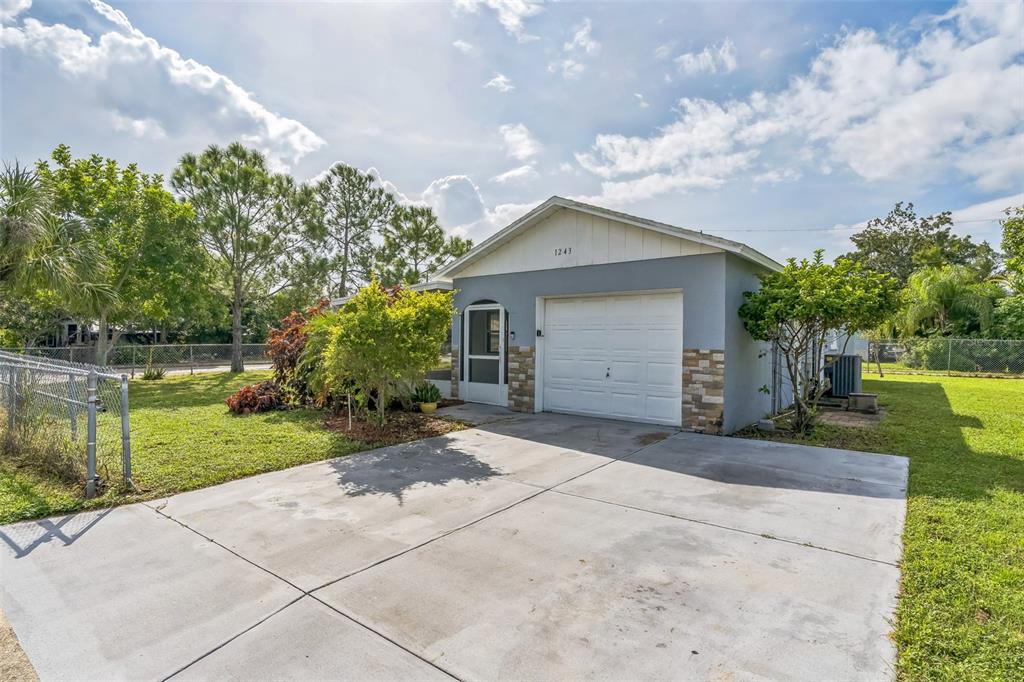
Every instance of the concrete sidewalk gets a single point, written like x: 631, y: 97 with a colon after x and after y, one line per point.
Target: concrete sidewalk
x: 540, y: 546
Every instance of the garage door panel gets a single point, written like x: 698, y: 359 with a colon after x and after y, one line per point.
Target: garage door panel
x: 664, y: 341
x: 626, y: 340
x: 625, y: 372
x: 628, y: 405
x: 663, y: 408
x: 664, y: 376
x: 634, y: 339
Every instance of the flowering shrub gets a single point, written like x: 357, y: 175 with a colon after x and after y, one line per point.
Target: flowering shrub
x: 262, y: 397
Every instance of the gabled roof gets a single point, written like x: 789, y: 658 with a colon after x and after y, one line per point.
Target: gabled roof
x: 555, y: 203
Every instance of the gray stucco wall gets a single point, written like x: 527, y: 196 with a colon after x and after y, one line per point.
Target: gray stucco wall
x: 712, y: 284
x: 701, y: 277
x: 748, y: 363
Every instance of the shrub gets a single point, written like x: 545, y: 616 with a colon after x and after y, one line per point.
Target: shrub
x: 426, y: 392
x: 262, y: 397
x: 153, y: 373
x: 285, y: 347
x: 379, y: 339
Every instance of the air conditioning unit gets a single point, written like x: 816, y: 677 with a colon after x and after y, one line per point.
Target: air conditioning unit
x: 843, y: 373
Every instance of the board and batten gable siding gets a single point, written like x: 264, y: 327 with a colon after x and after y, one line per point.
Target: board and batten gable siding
x: 570, y: 238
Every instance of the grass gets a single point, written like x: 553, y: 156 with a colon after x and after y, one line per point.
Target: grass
x: 183, y: 437
x: 961, y: 610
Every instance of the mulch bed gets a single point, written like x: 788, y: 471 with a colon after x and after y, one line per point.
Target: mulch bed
x: 401, y: 427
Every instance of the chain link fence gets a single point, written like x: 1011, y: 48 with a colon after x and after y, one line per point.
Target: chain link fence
x: 182, y: 356
x: 67, y: 419
x: 968, y: 357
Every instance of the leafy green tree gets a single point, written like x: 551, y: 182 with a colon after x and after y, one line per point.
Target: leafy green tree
x: 415, y: 245
x: 380, y: 340
x: 799, y: 305
x: 38, y: 248
x: 354, y: 210
x: 1013, y: 247
x: 261, y: 228
x: 946, y: 299
x: 1008, y: 318
x: 902, y: 242
x: 146, y: 239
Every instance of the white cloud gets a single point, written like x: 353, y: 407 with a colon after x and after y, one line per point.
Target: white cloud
x: 767, y: 53
x: 138, y: 127
x: 149, y: 89
x: 641, y: 101
x: 516, y: 175
x: 10, y: 9
x: 511, y: 14
x: 462, y: 46
x: 568, y: 68
x: 712, y: 59
x: 664, y: 51
x: 519, y: 141
x: 887, y: 108
x: 455, y: 199
x: 582, y: 40
x: 776, y: 176
x: 500, y: 82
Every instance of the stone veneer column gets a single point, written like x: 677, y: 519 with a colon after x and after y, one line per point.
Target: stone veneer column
x: 455, y: 372
x: 703, y: 389
x: 520, y: 378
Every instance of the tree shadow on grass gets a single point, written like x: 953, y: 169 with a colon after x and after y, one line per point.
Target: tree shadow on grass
x: 396, y: 469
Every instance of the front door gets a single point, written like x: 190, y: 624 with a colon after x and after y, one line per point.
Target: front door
x: 484, y: 377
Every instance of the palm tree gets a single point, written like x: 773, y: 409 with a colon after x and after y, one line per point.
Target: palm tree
x: 936, y: 296
x: 41, y: 249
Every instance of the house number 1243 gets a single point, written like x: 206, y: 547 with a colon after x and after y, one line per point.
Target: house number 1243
x: 563, y: 251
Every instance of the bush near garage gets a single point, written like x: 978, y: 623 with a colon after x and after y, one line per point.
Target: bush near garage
x: 382, y: 340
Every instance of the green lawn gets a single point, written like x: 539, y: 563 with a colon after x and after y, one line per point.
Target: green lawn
x: 183, y: 437
x: 961, y: 612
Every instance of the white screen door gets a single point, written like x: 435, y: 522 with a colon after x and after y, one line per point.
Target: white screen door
x: 484, y: 336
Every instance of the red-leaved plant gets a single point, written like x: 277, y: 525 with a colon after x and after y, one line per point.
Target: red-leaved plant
x: 285, y: 345
x: 262, y: 397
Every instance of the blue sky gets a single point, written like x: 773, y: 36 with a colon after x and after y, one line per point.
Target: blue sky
x: 781, y: 125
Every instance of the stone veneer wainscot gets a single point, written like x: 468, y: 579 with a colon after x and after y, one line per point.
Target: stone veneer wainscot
x: 521, y: 378
x: 703, y: 389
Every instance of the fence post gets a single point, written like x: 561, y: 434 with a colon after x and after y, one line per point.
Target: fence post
x: 72, y: 407
x: 191, y: 361
x: 126, y: 438
x: 90, y: 441
x: 12, y: 392
x: 949, y: 357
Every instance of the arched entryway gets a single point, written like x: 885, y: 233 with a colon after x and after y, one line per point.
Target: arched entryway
x: 483, y: 376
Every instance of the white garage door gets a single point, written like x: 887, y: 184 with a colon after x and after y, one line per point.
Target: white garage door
x: 615, y: 356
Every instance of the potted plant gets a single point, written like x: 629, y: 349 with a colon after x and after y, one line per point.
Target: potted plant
x: 427, y: 395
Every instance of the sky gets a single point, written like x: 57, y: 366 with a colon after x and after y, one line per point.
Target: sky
x: 782, y: 125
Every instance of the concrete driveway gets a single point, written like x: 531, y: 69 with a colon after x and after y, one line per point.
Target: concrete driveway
x: 540, y: 546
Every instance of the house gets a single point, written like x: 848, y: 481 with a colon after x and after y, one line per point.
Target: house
x: 579, y: 309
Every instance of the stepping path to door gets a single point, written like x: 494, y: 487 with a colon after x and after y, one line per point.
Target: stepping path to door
x: 541, y: 546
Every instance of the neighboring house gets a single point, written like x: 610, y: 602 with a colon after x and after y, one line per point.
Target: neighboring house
x: 578, y: 309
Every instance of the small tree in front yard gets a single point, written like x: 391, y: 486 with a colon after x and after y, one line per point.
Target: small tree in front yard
x: 799, y: 305
x: 382, y: 338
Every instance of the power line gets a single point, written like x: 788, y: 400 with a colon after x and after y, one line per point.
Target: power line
x: 712, y: 230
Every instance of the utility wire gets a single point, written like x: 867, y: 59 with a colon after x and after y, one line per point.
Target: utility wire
x: 712, y: 230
